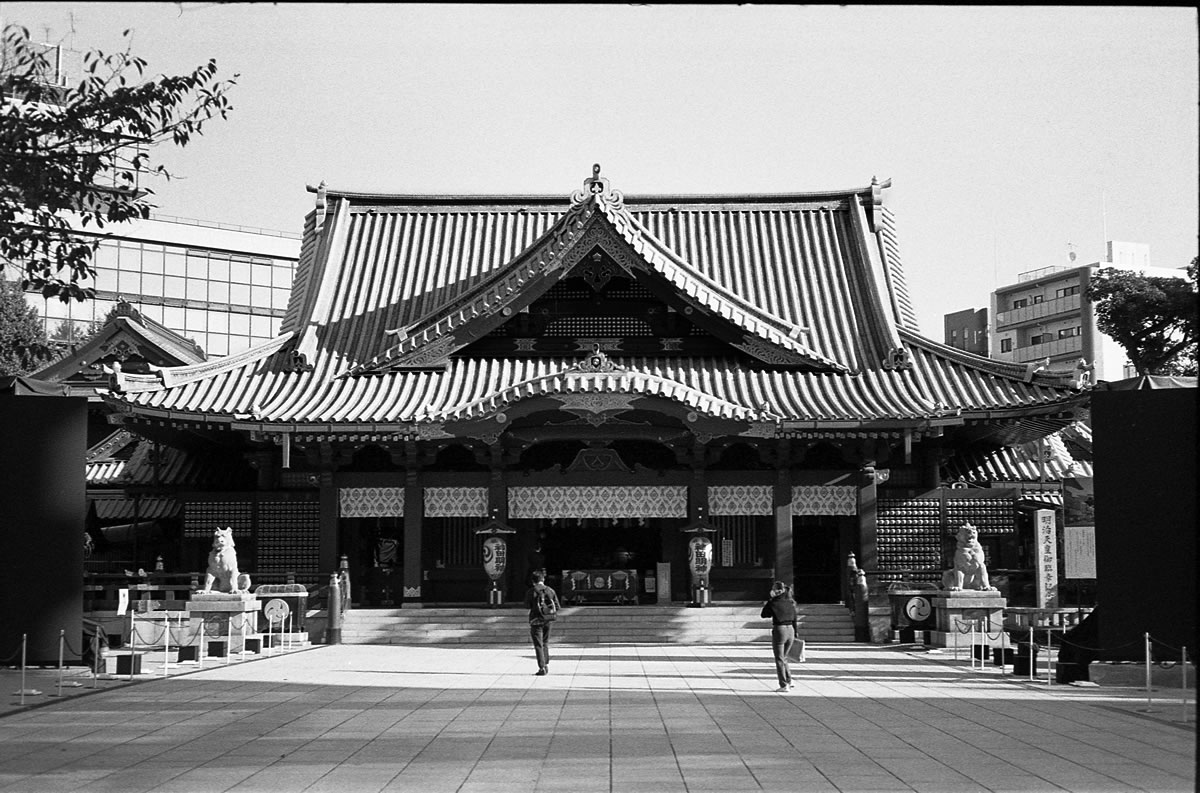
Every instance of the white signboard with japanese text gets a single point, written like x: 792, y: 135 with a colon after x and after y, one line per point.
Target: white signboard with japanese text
x: 1046, y: 558
x: 1079, y: 551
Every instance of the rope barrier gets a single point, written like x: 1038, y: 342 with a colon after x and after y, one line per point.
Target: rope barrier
x: 5, y: 661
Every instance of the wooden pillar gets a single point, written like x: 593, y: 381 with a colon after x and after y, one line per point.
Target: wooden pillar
x: 414, y: 517
x: 868, y: 557
x: 782, y: 503
x: 327, y: 557
x: 868, y: 553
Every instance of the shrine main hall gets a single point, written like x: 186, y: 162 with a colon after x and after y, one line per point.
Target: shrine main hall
x: 595, y: 379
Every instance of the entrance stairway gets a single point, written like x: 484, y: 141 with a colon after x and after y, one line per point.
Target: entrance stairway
x: 733, y: 623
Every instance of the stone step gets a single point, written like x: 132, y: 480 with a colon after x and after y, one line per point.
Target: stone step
x: 735, y: 624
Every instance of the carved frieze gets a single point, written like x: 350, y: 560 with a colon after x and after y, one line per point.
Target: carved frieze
x: 595, y: 403
x: 432, y: 432
x: 596, y: 460
x: 432, y: 354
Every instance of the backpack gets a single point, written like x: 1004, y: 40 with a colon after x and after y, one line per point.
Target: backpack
x: 546, y: 607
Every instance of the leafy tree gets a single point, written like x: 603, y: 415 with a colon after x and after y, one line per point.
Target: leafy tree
x: 73, y: 332
x: 23, y: 346
x: 60, y: 144
x: 1153, y: 318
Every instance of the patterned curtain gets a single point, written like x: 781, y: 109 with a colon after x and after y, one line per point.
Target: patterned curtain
x: 739, y: 500
x: 824, y: 500
x: 456, y: 502
x: 370, y: 502
x: 618, y: 501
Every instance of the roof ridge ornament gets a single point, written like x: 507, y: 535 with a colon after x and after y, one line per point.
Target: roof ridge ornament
x: 596, y: 361
x: 597, y: 187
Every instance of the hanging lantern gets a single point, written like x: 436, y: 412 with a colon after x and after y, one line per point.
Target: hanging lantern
x: 700, y: 556
x: 495, y: 557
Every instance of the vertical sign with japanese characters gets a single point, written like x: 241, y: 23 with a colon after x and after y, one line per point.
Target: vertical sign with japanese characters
x: 1046, y: 558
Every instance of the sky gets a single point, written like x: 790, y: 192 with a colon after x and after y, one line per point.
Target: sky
x: 1012, y: 135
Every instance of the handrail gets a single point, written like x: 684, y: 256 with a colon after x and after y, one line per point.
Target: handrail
x: 1027, y: 617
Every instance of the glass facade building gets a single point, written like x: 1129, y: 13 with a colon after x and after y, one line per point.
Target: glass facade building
x: 225, y: 287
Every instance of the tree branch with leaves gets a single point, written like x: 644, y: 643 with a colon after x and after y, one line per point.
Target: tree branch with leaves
x: 72, y: 158
x: 1154, y: 319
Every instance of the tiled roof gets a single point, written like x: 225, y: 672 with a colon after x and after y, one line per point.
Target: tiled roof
x: 385, y: 280
x: 1022, y: 463
x: 126, y: 334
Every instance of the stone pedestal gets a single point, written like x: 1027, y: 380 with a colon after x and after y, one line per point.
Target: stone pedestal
x: 958, y: 610
x: 223, y: 617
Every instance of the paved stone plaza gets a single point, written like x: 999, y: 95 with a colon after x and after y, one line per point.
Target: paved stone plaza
x: 608, y: 718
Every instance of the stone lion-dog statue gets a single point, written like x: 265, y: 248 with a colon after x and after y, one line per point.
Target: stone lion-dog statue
x: 223, y: 565
x: 970, y: 569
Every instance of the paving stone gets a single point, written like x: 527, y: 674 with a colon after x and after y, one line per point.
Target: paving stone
x: 611, y: 718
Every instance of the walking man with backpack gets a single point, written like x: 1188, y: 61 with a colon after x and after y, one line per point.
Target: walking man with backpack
x: 543, y: 605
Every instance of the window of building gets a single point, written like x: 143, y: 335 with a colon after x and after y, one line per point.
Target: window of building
x: 1066, y: 333
x: 197, y: 289
x: 173, y: 317
x: 195, y: 319
x: 218, y: 322
x: 1006, y: 345
x: 218, y: 344
x: 106, y: 279
x: 1020, y: 302
x: 197, y: 264
x: 152, y: 259
x: 239, y: 271
x: 129, y: 281
x: 218, y: 291
x: 152, y: 284
x: 260, y: 296
x: 260, y: 326
x: 239, y: 294
x: 174, y: 263
x: 239, y: 324
x: 218, y: 267
x: 1039, y: 338
x: 1068, y: 291
x: 1034, y: 300
x: 105, y: 257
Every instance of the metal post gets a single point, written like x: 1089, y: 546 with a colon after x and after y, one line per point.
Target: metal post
x: 23, y: 635
x: 1049, y: 665
x: 1149, y: 702
x: 132, y: 643
x: 244, y: 633
x: 203, y: 633
x: 166, y: 643
x: 1183, y: 691
x: 228, y: 638
x: 333, y: 632
x: 61, y: 638
x: 95, y: 656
